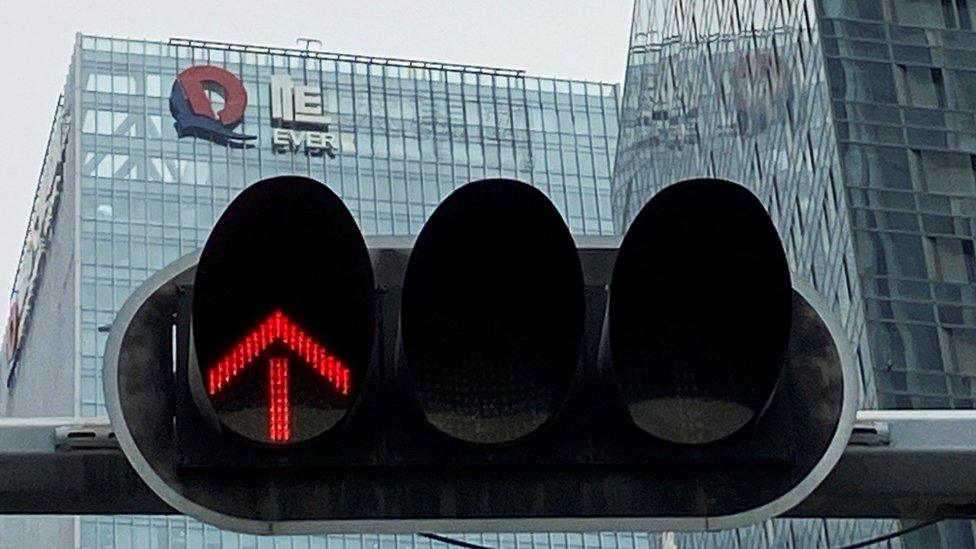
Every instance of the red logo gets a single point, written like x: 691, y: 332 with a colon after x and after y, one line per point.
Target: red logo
x: 193, y: 110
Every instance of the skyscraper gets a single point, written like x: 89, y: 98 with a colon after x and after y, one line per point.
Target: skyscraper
x: 853, y: 122
x: 152, y: 140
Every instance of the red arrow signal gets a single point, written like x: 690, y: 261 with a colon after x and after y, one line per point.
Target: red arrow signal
x: 279, y: 406
x: 278, y: 327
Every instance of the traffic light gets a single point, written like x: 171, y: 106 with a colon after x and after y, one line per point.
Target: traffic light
x: 283, y: 312
x: 700, y: 312
x: 493, y: 312
x: 294, y: 377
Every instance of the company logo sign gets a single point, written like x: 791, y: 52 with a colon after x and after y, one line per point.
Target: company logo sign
x: 194, y: 111
x: 298, y: 118
x: 299, y: 122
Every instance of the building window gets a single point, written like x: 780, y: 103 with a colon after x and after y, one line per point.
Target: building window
x: 870, y: 10
x: 921, y: 86
x: 920, y: 13
x: 967, y: 13
x: 961, y: 88
x: 960, y: 347
x: 948, y: 173
x: 856, y: 80
x: 951, y: 260
x: 877, y: 167
x: 905, y: 347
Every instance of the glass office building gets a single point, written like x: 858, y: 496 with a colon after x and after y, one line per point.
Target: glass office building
x: 135, y: 196
x: 853, y: 122
x: 121, y: 194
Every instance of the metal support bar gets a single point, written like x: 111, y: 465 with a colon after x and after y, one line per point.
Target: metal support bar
x: 904, y: 464
x: 68, y: 466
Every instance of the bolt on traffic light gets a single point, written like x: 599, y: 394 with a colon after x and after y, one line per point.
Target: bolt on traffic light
x: 492, y: 369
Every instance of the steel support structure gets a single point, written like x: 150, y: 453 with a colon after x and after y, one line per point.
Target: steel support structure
x: 918, y: 464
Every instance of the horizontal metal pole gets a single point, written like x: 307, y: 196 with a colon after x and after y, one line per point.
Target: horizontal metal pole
x: 921, y: 464
x: 908, y: 464
x: 44, y: 469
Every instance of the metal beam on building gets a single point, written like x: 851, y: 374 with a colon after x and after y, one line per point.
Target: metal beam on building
x: 918, y: 464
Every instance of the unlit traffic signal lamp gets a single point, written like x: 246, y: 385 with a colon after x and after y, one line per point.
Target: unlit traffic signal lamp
x: 493, y: 312
x: 492, y: 369
x: 700, y: 312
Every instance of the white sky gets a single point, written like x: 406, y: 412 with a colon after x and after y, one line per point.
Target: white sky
x: 585, y: 39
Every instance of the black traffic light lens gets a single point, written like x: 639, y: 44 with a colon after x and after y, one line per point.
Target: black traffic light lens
x: 700, y: 312
x: 283, y: 311
x: 492, y: 314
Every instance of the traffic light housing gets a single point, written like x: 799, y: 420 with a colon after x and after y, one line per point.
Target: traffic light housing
x: 293, y: 377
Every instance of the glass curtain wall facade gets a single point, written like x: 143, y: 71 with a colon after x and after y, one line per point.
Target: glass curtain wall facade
x: 157, y: 532
x: 736, y: 90
x: 903, y: 82
x: 853, y: 122
x: 133, y: 196
x: 407, y: 135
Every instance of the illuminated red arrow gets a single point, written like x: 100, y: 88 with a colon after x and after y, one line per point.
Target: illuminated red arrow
x: 279, y: 407
x: 278, y: 327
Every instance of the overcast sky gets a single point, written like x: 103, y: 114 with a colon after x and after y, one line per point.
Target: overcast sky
x: 584, y: 39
